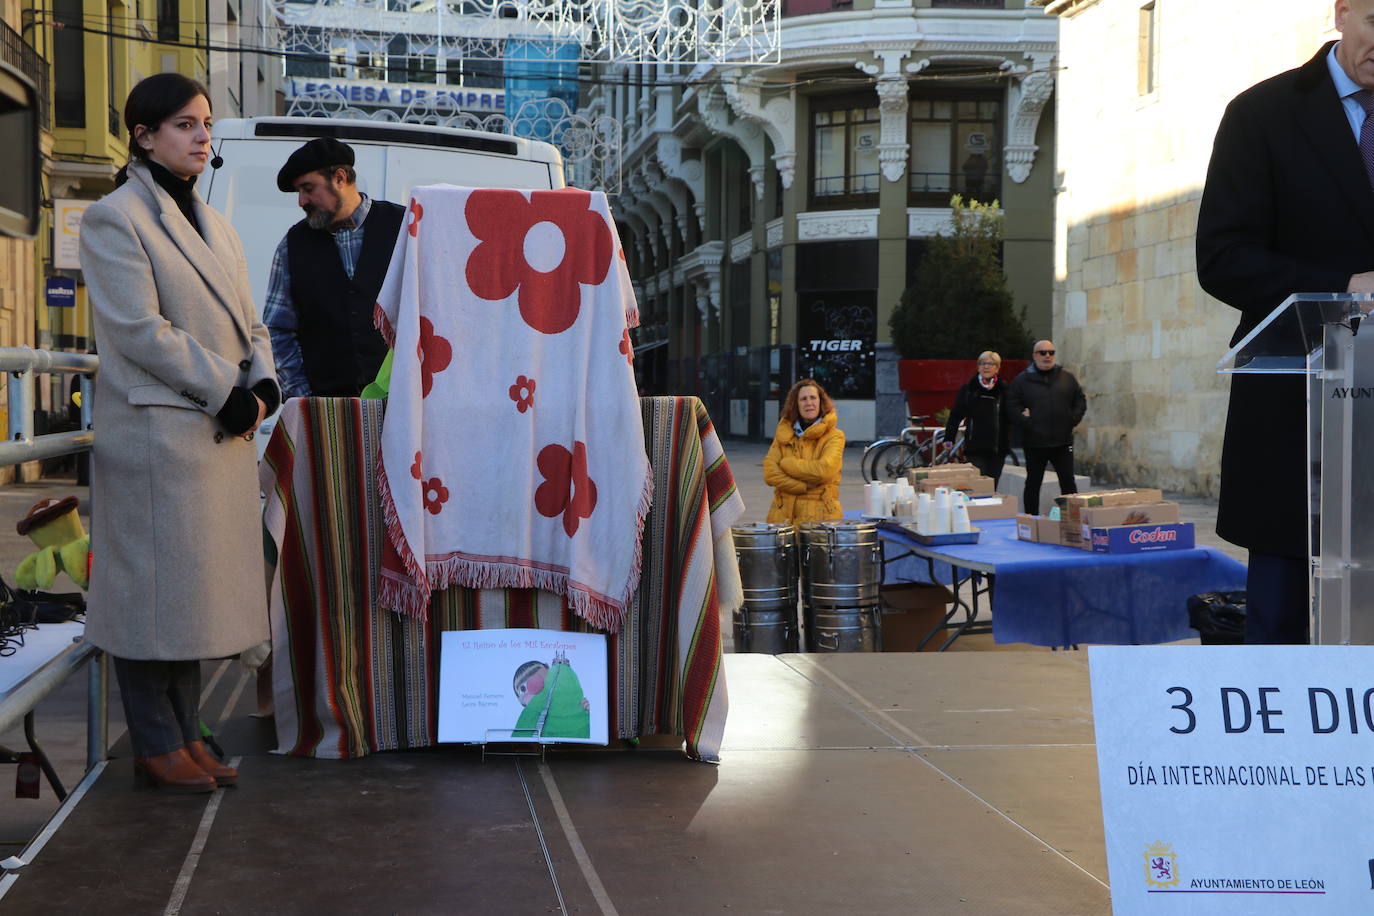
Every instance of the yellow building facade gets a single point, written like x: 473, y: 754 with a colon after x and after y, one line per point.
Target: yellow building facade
x: 83, y: 55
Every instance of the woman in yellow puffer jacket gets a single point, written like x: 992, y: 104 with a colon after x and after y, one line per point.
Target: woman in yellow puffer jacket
x: 803, y: 465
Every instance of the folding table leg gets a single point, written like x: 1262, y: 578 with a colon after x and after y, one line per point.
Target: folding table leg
x: 43, y: 761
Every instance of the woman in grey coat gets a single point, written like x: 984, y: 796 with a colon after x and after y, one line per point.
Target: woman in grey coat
x: 186, y: 375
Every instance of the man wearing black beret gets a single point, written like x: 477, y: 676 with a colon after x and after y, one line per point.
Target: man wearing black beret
x: 326, y: 274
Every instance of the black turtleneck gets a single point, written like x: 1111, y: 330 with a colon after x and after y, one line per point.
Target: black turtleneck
x: 181, y: 189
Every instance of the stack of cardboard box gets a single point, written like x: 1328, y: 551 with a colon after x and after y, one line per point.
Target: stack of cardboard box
x: 985, y: 502
x: 1111, y: 521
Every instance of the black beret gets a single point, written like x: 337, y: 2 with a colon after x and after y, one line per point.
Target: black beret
x: 320, y: 153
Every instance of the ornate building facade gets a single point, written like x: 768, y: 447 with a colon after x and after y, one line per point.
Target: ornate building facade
x: 774, y: 214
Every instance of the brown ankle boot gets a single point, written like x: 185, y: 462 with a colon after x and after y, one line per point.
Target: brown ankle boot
x: 224, y: 775
x: 174, y: 772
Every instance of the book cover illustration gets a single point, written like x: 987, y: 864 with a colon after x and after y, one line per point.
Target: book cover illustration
x: 522, y: 685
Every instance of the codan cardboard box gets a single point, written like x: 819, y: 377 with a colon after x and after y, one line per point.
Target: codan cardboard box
x: 1161, y: 513
x: 973, y: 485
x: 910, y: 611
x: 1025, y: 526
x: 1142, y: 538
x: 1073, y: 506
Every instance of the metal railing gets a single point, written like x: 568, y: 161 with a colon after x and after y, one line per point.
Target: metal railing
x: 835, y: 185
x: 979, y: 185
x: 21, y: 55
x: 22, y: 364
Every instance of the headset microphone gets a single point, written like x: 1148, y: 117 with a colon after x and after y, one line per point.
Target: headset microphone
x: 216, y: 162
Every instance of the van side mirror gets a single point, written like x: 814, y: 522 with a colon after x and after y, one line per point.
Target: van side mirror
x: 19, y: 161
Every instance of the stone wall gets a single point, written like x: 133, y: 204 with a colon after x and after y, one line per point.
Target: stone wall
x: 1129, y: 316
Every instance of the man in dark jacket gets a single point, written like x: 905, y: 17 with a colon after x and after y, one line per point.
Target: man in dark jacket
x: 1047, y: 403
x: 326, y: 274
x: 1287, y: 208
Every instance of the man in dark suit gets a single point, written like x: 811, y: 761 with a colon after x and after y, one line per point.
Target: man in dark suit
x: 1288, y: 207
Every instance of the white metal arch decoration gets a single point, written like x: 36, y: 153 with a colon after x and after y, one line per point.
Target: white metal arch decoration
x: 591, y: 147
x: 604, y: 31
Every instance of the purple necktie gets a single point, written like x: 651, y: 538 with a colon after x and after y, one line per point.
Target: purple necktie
x: 1366, y: 100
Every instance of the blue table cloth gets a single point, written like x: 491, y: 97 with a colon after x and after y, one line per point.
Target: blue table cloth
x: 1062, y: 596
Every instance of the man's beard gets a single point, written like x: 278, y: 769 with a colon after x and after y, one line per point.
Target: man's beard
x: 317, y: 218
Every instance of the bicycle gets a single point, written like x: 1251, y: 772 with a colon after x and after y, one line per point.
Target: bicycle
x: 916, y: 447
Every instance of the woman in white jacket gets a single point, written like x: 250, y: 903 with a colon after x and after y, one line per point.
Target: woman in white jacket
x: 186, y: 375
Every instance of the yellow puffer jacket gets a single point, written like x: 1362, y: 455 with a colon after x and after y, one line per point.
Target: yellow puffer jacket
x: 804, y: 472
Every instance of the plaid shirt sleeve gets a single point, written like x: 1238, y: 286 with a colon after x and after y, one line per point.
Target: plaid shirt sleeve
x: 279, y: 315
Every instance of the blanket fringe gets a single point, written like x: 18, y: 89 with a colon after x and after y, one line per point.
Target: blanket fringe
x: 383, y: 324
x: 646, y: 502
x: 409, y: 598
x: 412, y: 597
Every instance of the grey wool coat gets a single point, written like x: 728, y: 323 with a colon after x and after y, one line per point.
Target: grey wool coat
x: 176, y: 523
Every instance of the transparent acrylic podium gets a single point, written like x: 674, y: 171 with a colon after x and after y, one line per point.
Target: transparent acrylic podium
x: 1319, y: 335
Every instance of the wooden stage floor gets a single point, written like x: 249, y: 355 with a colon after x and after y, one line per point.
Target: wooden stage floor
x: 867, y: 783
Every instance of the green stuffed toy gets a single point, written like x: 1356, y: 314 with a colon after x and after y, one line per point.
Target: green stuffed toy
x: 64, y: 546
x: 379, y: 387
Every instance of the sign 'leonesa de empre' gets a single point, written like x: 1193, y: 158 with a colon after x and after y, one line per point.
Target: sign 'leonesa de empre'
x: 1236, y: 779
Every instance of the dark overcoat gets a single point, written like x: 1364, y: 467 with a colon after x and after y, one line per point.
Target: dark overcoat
x: 176, y: 524
x: 1287, y: 208
x: 1056, y: 403
x: 982, y: 407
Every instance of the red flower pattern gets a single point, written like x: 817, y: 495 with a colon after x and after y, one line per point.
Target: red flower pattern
x: 627, y: 347
x: 566, y: 488
x: 522, y: 393
x: 435, y: 502
x: 549, y: 300
x: 415, y: 468
x: 417, y: 213
x: 434, y: 352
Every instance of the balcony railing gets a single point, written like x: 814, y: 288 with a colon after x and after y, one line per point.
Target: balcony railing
x: 838, y: 185
x: 18, y: 53
x: 982, y: 186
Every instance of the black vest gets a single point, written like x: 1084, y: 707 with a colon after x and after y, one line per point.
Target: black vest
x: 340, y: 348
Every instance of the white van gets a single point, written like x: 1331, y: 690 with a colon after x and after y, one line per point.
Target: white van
x: 392, y: 158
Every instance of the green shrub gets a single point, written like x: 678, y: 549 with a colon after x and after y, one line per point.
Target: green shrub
x: 960, y: 305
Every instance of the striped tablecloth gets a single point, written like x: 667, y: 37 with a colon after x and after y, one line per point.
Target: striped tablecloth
x: 350, y: 679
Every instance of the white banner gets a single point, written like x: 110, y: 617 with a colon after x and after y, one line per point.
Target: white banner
x: 66, y: 232
x: 1237, y: 779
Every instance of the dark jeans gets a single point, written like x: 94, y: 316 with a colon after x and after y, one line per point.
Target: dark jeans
x: 989, y: 464
x: 1277, y: 606
x: 161, y: 703
x: 1036, y: 459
